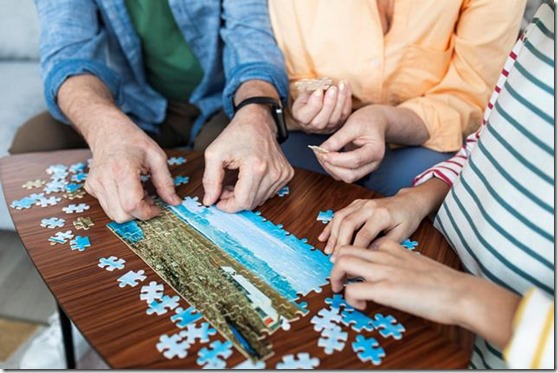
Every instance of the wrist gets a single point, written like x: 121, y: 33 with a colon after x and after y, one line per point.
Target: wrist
x: 259, y: 116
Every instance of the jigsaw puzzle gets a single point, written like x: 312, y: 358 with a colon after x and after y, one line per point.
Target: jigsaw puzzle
x: 325, y: 216
x: 201, y: 333
x: 408, y: 244
x: 53, y: 222
x: 325, y: 319
x: 80, y: 243
x: 215, y: 355
x: 283, y: 191
x: 61, y: 237
x: 184, y: 317
x: 302, y: 361
x: 357, y: 320
x: 388, y: 326
x: 131, y: 278
x: 333, y: 339
x: 368, y: 349
x: 111, y: 263
x: 313, y: 84
x: 152, y: 292
x: 160, y: 307
x: 181, y: 180
x: 72, y: 209
x: 175, y: 161
x: 83, y: 223
x: 196, y: 248
x: 173, y: 346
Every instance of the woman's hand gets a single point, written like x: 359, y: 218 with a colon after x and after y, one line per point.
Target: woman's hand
x: 397, y: 217
x: 323, y: 112
x: 413, y: 283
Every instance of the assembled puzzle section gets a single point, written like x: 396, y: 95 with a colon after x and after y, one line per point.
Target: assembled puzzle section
x: 225, y: 265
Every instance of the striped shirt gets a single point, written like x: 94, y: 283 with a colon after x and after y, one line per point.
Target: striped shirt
x: 499, y: 213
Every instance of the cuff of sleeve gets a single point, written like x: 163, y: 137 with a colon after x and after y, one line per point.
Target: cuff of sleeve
x: 255, y: 71
x: 532, y: 343
x: 68, y: 68
x: 442, y: 123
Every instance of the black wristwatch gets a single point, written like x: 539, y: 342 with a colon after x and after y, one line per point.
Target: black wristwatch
x: 276, y: 112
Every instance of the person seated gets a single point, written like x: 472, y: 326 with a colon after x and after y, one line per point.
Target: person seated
x: 495, y: 205
x: 134, y: 76
x: 412, y: 73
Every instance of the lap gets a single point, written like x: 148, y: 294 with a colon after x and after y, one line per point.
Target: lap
x: 397, y: 170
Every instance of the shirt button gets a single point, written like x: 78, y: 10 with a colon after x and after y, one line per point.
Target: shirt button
x: 376, y: 62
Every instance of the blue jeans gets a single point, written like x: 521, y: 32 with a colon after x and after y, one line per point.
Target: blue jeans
x: 398, y: 169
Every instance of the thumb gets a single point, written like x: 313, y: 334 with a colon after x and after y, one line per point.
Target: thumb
x: 339, y: 139
x: 307, y: 106
x: 212, y: 179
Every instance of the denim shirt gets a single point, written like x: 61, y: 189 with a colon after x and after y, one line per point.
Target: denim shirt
x: 232, y: 40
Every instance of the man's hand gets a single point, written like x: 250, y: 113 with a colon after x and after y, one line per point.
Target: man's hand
x: 121, y: 152
x: 248, y: 145
x: 323, y: 112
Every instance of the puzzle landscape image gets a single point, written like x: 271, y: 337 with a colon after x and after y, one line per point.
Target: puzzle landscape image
x: 241, y: 272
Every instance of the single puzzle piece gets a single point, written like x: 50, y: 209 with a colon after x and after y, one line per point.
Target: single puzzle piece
x: 80, y: 243
x: 163, y: 306
x: 250, y: 365
x: 357, y: 320
x: 79, y: 178
x: 172, y: 346
x: 151, y: 292
x: 55, y: 186
x: 408, y: 244
x: 325, y: 216
x: 218, y: 350
x: 302, y: 361
x: 56, y: 169
x: 145, y: 178
x: 313, y: 84
x: 33, y: 184
x: 61, y: 237
x: 338, y: 302
x: 388, y: 326
x: 283, y: 191
x: 72, y: 187
x: 368, y: 349
x: 72, y: 209
x: 83, y: 223
x: 201, y: 333
x: 216, y: 363
x: 176, y: 161
x: 185, y: 316
x: 50, y: 201
x: 77, y: 168
x: 333, y: 339
x: 181, y: 180
x: 24, y: 203
x: 111, y: 263
x: 37, y: 196
x: 131, y: 278
x: 52, y: 223
x: 75, y: 195
x: 326, y: 319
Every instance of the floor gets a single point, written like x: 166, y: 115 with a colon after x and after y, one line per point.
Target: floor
x: 24, y: 296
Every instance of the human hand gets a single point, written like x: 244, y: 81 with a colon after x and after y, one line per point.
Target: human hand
x: 247, y: 144
x: 363, y: 137
x: 323, y: 112
x: 398, y: 217
x: 121, y: 153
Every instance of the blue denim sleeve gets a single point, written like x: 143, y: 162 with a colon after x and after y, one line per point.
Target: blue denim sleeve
x: 250, y: 51
x: 72, y: 42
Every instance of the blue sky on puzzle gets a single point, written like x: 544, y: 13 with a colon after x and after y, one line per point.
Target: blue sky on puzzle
x: 283, y: 261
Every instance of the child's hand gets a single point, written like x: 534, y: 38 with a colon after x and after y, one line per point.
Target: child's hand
x: 398, y: 217
x: 323, y: 111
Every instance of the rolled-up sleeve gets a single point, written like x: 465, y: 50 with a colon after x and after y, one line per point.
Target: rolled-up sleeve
x: 72, y: 42
x: 452, y: 109
x: 250, y: 50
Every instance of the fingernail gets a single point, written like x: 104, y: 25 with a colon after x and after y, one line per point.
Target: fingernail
x: 332, y: 92
x: 324, y: 157
x: 206, y: 199
x: 342, y: 86
x: 328, y: 249
x: 318, y: 93
x: 332, y: 258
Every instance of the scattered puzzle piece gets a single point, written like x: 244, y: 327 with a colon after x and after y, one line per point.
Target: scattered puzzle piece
x: 111, y: 263
x: 56, y: 169
x: 302, y: 361
x: 151, y: 292
x: 50, y: 201
x: 181, y: 180
x: 176, y: 161
x: 24, y: 203
x: 52, y: 223
x: 72, y: 209
x: 77, y: 168
x: 318, y: 149
x: 80, y: 177
x: 325, y: 319
x: 250, y: 365
x: 216, y: 363
x: 61, y: 237
x: 83, y: 223
x: 325, y: 216
x: 145, y: 178
x: 368, y: 350
x: 388, y: 326
x: 131, y: 278
x: 163, y: 306
x: 283, y: 191
x: 33, y: 184
x: 185, y: 317
x: 80, y: 243
x: 357, y: 320
x: 218, y: 350
x: 172, y: 346
x: 408, y: 244
x: 193, y: 333
x: 75, y: 195
x: 72, y: 187
x: 333, y: 339
x: 337, y: 302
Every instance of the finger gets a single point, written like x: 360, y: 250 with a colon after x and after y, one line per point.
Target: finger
x: 348, y: 104
x: 339, y: 139
x: 325, y: 233
x: 348, y: 266
x: 358, y: 294
x: 244, y: 194
x: 340, y: 104
x: 398, y: 233
x: 112, y: 201
x: 306, y: 112
x: 378, y: 257
x: 352, y: 159
x: 347, y: 229
x: 322, y: 119
x: 132, y: 197
x: 162, y: 179
x: 369, y: 232
x: 213, y: 176
x: 335, y: 224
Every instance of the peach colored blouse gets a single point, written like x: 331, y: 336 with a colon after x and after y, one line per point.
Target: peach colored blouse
x: 440, y: 59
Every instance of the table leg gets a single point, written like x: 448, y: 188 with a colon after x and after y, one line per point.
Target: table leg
x: 67, y: 338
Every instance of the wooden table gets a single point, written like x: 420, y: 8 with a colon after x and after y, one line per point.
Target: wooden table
x: 114, y: 321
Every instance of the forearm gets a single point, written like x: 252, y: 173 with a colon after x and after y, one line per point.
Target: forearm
x: 403, y: 126
x: 427, y: 197
x: 255, y: 88
x: 88, y: 104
